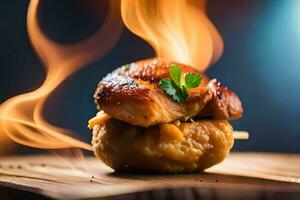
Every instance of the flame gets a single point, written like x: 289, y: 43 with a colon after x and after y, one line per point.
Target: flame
x: 178, y: 30
x: 21, y: 116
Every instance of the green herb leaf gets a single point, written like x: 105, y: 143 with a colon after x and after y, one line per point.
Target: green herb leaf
x: 192, y: 80
x: 175, y: 74
x: 178, y: 94
x: 173, y: 86
x: 167, y: 86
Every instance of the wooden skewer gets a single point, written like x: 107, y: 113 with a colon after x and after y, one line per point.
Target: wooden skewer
x: 240, y: 135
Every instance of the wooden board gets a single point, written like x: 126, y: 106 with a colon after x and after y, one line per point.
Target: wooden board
x: 255, y: 175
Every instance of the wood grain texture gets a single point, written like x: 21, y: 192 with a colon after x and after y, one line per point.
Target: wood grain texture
x: 254, y: 174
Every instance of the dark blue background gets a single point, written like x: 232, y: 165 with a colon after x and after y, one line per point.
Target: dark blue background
x: 260, y: 62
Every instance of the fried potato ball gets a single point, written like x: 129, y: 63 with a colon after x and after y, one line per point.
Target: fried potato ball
x: 165, y: 148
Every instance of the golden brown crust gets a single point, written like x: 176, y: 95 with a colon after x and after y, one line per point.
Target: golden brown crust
x: 165, y: 148
x: 132, y: 94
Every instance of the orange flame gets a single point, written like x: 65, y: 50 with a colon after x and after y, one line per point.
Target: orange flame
x: 21, y: 116
x: 178, y: 30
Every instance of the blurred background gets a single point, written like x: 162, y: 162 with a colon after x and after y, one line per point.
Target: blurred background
x: 260, y: 63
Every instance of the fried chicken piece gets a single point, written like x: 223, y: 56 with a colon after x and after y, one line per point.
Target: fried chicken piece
x: 165, y: 148
x: 132, y: 94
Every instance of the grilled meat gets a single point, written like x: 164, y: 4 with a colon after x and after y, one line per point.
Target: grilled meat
x: 132, y: 94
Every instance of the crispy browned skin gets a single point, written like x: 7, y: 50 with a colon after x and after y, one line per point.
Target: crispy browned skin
x: 132, y: 94
x: 224, y: 103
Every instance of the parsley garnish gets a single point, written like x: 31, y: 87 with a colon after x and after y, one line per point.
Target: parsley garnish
x: 174, y: 86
